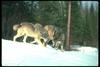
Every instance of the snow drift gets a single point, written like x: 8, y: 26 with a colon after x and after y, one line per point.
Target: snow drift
x: 25, y: 54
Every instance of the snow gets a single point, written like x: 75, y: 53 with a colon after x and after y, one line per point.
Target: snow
x: 25, y: 54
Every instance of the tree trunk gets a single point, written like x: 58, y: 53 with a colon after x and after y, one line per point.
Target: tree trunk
x: 68, y: 26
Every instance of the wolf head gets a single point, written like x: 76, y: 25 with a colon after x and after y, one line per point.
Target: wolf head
x: 51, y: 30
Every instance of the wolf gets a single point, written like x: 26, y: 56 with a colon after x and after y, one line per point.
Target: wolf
x: 27, y: 29
x: 51, y: 30
x: 40, y: 29
x: 59, y: 38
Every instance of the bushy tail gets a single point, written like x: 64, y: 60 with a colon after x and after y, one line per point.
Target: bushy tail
x: 15, y: 27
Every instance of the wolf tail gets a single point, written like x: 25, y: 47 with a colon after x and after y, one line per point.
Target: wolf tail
x: 15, y: 27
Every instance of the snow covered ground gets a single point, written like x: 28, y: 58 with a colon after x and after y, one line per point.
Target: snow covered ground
x: 25, y: 54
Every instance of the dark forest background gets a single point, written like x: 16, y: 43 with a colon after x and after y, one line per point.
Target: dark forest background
x: 84, y: 18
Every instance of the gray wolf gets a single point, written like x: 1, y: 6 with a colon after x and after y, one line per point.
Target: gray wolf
x: 57, y: 36
x: 51, y: 30
x: 27, y: 29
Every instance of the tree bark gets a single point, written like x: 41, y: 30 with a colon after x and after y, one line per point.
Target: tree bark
x: 68, y: 26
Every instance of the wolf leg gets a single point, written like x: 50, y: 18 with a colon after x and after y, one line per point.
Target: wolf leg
x: 39, y: 42
x: 57, y: 45
x: 33, y: 42
x: 24, y: 40
x: 53, y: 43
x: 44, y: 42
x: 62, y: 49
x: 16, y: 36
